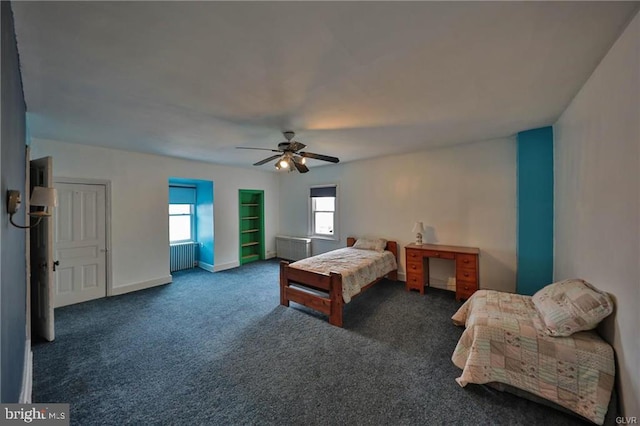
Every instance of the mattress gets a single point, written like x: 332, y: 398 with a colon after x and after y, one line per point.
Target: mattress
x: 358, y: 267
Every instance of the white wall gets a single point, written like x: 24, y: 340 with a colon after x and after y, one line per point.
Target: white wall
x: 139, y: 190
x: 597, y: 198
x: 466, y: 193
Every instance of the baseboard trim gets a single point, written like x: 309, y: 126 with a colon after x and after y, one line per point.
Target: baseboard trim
x: 270, y: 255
x: 223, y: 266
x: 206, y: 266
x: 141, y: 285
x: 27, y: 375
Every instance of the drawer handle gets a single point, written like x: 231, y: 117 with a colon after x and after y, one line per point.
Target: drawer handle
x: 465, y: 261
x: 466, y: 274
x: 436, y: 255
x: 466, y: 287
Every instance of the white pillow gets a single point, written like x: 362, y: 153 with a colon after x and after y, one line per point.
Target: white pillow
x: 377, y: 244
x: 571, y: 305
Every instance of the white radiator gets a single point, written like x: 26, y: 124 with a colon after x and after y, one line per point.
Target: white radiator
x: 182, y: 256
x: 293, y: 248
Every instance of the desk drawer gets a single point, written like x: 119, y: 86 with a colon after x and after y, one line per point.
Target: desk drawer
x: 414, y: 255
x: 464, y: 290
x: 465, y: 286
x: 438, y: 254
x: 468, y: 275
x: 467, y: 261
x: 464, y: 294
x: 414, y: 266
x: 415, y: 281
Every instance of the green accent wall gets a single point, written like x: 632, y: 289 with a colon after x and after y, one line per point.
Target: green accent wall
x: 251, y: 208
x: 535, y: 209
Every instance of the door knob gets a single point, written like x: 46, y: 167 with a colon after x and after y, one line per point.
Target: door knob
x: 56, y: 263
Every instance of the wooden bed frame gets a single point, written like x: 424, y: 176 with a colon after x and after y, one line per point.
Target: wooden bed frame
x: 331, y: 283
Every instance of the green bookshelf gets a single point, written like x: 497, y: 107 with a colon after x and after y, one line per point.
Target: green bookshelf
x: 251, y: 225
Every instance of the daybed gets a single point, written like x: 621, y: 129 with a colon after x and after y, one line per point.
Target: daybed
x: 326, y: 281
x: 540, y: 344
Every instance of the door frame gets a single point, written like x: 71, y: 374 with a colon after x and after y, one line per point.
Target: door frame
x: 42, y: 253
x: 27, y: 254
x: 107, y: 219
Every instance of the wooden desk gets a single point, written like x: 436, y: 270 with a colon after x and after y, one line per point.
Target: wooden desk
x: 465, y: 258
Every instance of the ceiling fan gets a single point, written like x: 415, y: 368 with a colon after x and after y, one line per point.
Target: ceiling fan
x: 289, y: 155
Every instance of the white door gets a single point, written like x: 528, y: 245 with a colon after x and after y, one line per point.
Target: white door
x: 80, y: 243
x: 41, y: 253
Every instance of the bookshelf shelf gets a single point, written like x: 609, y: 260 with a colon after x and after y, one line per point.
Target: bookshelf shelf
x: 251, y: 225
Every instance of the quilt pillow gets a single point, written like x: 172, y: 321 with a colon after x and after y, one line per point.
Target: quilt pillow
x: 571, y: 305
x: 377, y: 244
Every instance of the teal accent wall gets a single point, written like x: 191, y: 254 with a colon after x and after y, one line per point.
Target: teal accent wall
x: 204, y: 215
x: 204, y: 219
x: 535, y: 209
x: 13, y: 283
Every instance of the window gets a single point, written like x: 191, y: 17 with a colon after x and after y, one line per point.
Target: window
x: 182, y: 214
x: 323, y: 211
x: 181, y: 220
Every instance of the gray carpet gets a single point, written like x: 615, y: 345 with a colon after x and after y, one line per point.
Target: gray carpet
x: 219, y: 349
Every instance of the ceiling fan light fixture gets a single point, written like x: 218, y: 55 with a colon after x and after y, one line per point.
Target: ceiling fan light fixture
x: 290, y: 155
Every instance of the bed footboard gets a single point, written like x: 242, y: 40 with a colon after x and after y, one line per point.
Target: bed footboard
x: 308, y: 285
x: 332, y: 284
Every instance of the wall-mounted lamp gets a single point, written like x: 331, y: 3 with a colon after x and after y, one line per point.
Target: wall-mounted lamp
x: 418, y: 228
x: 40, y: 197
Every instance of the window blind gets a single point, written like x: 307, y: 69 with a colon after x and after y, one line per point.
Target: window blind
x: 182, y: 195
x: 323, y: 191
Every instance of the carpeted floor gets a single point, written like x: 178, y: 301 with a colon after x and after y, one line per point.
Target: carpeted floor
x: 219, y: 349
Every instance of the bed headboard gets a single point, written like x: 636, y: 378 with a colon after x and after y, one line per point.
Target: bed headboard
x: 392, y: 246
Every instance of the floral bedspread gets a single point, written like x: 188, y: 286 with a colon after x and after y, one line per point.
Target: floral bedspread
x: 505, y: 342
x: 358, y: 267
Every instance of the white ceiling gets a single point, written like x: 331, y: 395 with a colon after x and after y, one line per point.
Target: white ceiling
x: 352, y: 79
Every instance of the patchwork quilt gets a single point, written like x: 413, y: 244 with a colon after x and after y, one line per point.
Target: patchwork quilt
x: 358, y: 267
x: 504, y: 341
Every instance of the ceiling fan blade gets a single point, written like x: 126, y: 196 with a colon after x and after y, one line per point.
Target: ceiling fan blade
x: 296, y: 146
x: 319, y: 157
x: 266, y: 160
x: 301, y: 167
x: 261, y: 149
